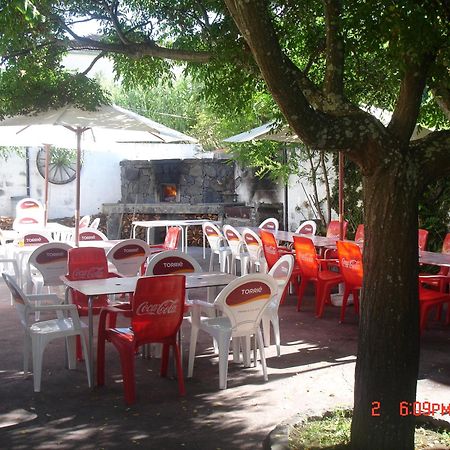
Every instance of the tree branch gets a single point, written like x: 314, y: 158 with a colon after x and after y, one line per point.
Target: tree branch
x: 433, y: 156
x: 136, y: 50
x: 334, y: 72
x: 91, y: 65
x: 112, y: 11
x: 442, y: 97
x: 406, y: 111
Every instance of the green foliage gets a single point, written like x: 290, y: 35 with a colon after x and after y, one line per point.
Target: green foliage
x: 434, y: 205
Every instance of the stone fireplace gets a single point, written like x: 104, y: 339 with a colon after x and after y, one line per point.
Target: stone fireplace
x: 178, y: 189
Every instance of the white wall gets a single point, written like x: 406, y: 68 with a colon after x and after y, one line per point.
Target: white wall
x: 100, y: 178
x: 299, y: 208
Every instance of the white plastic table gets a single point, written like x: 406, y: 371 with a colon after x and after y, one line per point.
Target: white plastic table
x: 126, y: 285
x: 183, y: 224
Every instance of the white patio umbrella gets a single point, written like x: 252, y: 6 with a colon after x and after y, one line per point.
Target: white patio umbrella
x: 269, y: 132
x: 108, y: 124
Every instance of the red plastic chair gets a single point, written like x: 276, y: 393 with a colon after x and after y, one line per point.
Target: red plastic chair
x: 170, y: 242
x: 422, y: 239
x: 87, y: 263
x: 350, y: 262
x: 441, y: 280
x: 359, y: 235
x: 315, y: 270
x: 429, y: 299
x: 156, y: 316
x: 333, y: 229
x: 272, y: 253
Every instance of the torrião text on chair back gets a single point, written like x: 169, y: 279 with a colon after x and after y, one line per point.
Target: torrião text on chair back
x: 51, y: 261
x: 172, y: 262
x: 128, y: 256
x: 270, y: 224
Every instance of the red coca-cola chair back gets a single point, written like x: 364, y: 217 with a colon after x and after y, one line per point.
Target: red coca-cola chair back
x: 270, y: 247
x: 446, y: 244
x: 359, y: 235
x: 87, y: 263
x: 422, y: 239
x: 306, y: 256
x: 172, y: 238
x: 158, y: 307
x: 350, y: 262
x: 333, y: 229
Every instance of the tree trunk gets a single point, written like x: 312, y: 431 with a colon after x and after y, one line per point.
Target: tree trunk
x: 388, y: 349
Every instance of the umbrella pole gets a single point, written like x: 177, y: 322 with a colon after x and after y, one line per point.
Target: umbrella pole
x: 79, y: 131
x: 47, y: 161
x: 341, y: 196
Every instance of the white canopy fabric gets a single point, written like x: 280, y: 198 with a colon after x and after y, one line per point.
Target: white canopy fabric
x: 268, y: 132
x: 109, y: 123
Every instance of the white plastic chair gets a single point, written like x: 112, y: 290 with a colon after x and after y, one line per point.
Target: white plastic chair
x: 281, y: 272
x: 128, y: 256
x: 218, y: 245
x: 84, y: 222
x: 91, y: 234
x: 95, y: 223
x: 270, y: 224
x: 307, y: 227
x: 237, y: 248
x: 47, y: 264
x: 242, y: 304
x: 257, y: 261
x: 39, y: 334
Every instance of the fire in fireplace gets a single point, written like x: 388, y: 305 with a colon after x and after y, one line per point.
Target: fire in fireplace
x: 169, y: 192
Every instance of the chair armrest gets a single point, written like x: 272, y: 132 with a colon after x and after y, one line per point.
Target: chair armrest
x: 40, y: 297
x: 202, y: 304
x: 324, y: 263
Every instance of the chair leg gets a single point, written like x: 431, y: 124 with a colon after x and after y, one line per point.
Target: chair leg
x: 26, y: 353
x: 71, y: 356
x: 344, y: 303
x: 276, y: 331
x: 127, y: 355
x: 301, y: 291
x: 192, y: 347
x: 87, y: 361
x: 224, y: 349
x: 164, y: 360
x: 179, y: 366
x: 262, y: 355
x: 266, y: 329
x: 246, y: 350
x: 38, y: 346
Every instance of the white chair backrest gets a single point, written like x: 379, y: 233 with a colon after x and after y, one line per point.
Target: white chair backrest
x: 84, y: 221
x: 243, y: 301
x: 234, y: 239
x: 128, y: 256
x: 90, y: 234
x: 281, y: 272
x: 270, y: 224
x: 253, y: 244
x: 95, y: 223
x: 172, y: 262
x: 23, y: 224
x: 307, y: 227
x: 214, y: 235
x: 20, y: 300
x: 30, y: 207
x: 51, y: 261
x: 32, y: 238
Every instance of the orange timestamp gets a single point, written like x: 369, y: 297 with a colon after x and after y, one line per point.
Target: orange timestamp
x: 415, y: 408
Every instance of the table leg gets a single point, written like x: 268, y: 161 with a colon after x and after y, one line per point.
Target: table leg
x: 91, y: 337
